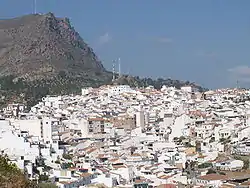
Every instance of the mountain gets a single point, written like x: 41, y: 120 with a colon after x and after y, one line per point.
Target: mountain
x: 44, y: 55
x: 41, y: 46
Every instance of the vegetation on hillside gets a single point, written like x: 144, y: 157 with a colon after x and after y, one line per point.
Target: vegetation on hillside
x: 205, y: 165
x: 21, y: 91
x: 13, y: 90
x: 12, y: 177
x: 136, y: 81
x: 245, y: 160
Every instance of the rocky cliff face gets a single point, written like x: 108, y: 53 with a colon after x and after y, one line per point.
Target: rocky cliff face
x: 42, y: 46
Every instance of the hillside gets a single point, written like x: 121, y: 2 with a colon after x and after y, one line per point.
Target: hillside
x: 13, y: 177
x: 43, y: 55
x: 136, y: 81
x: 40, y: 46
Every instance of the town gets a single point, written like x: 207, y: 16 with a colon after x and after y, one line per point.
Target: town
x: 118, y: 136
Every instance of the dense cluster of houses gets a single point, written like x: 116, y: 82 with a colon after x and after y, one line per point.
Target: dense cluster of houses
x: 117, y: 136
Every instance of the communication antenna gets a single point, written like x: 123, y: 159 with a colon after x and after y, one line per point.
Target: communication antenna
x: 128, y: 71
x: 119, y: 64
x: 237, y: 84
x: 34, y: 6
x: 113, y: 69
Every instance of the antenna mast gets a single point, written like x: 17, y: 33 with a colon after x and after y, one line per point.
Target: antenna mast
x: 119, y: 64
x: 34, y: 6
x: 113, y: 69
x: 128, y: 71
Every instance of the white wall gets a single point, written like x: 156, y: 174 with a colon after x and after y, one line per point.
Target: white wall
x: 140, y: 120
x: 245, y: 133
x: 15, y: 146
x: 83, y: 125
x: 4, y: 125
x: 178, y: 126
x: 47, y: 131
x: 187, y: 89
x: 47, y: 128
x: 31, y: 126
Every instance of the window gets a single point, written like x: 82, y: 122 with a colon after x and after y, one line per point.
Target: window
x: 22, y: 157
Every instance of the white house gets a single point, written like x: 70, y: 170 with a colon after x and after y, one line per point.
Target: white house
x: 119, y: 89
x: 188, y: 89
x: 244, y: 133
x: 32, y: 126
x: 230, y: 165
x: 17, y: 148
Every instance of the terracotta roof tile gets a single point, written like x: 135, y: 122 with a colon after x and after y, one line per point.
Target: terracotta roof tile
x: 213, y: 177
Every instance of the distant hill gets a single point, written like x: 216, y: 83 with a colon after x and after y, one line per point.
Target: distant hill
x: 43, y: 54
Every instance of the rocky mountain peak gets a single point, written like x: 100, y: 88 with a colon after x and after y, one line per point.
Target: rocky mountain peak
x: 40, y: 46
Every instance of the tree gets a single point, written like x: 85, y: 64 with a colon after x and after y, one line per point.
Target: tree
x: 246, y: 164
x: 212, y: 140
x: 193, y: 164
x: 205, y: 165
x: 67, y: 156
x: 11, y: 176
x: 211, y: 171
x: 67, y: 165
x: 43, y: 178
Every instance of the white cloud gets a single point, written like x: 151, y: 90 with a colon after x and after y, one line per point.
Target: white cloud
x: 164, y: 40
x: 241, y: 73
x: 242, y: 70
x: 105, y: 38
x: 202, y: 53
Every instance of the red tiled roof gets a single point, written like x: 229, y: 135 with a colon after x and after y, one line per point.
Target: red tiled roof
x: 213, y: 177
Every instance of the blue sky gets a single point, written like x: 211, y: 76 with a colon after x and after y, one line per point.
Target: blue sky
x: 205, y: 41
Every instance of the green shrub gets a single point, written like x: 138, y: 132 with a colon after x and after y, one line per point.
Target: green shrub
x: 205, y: 165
